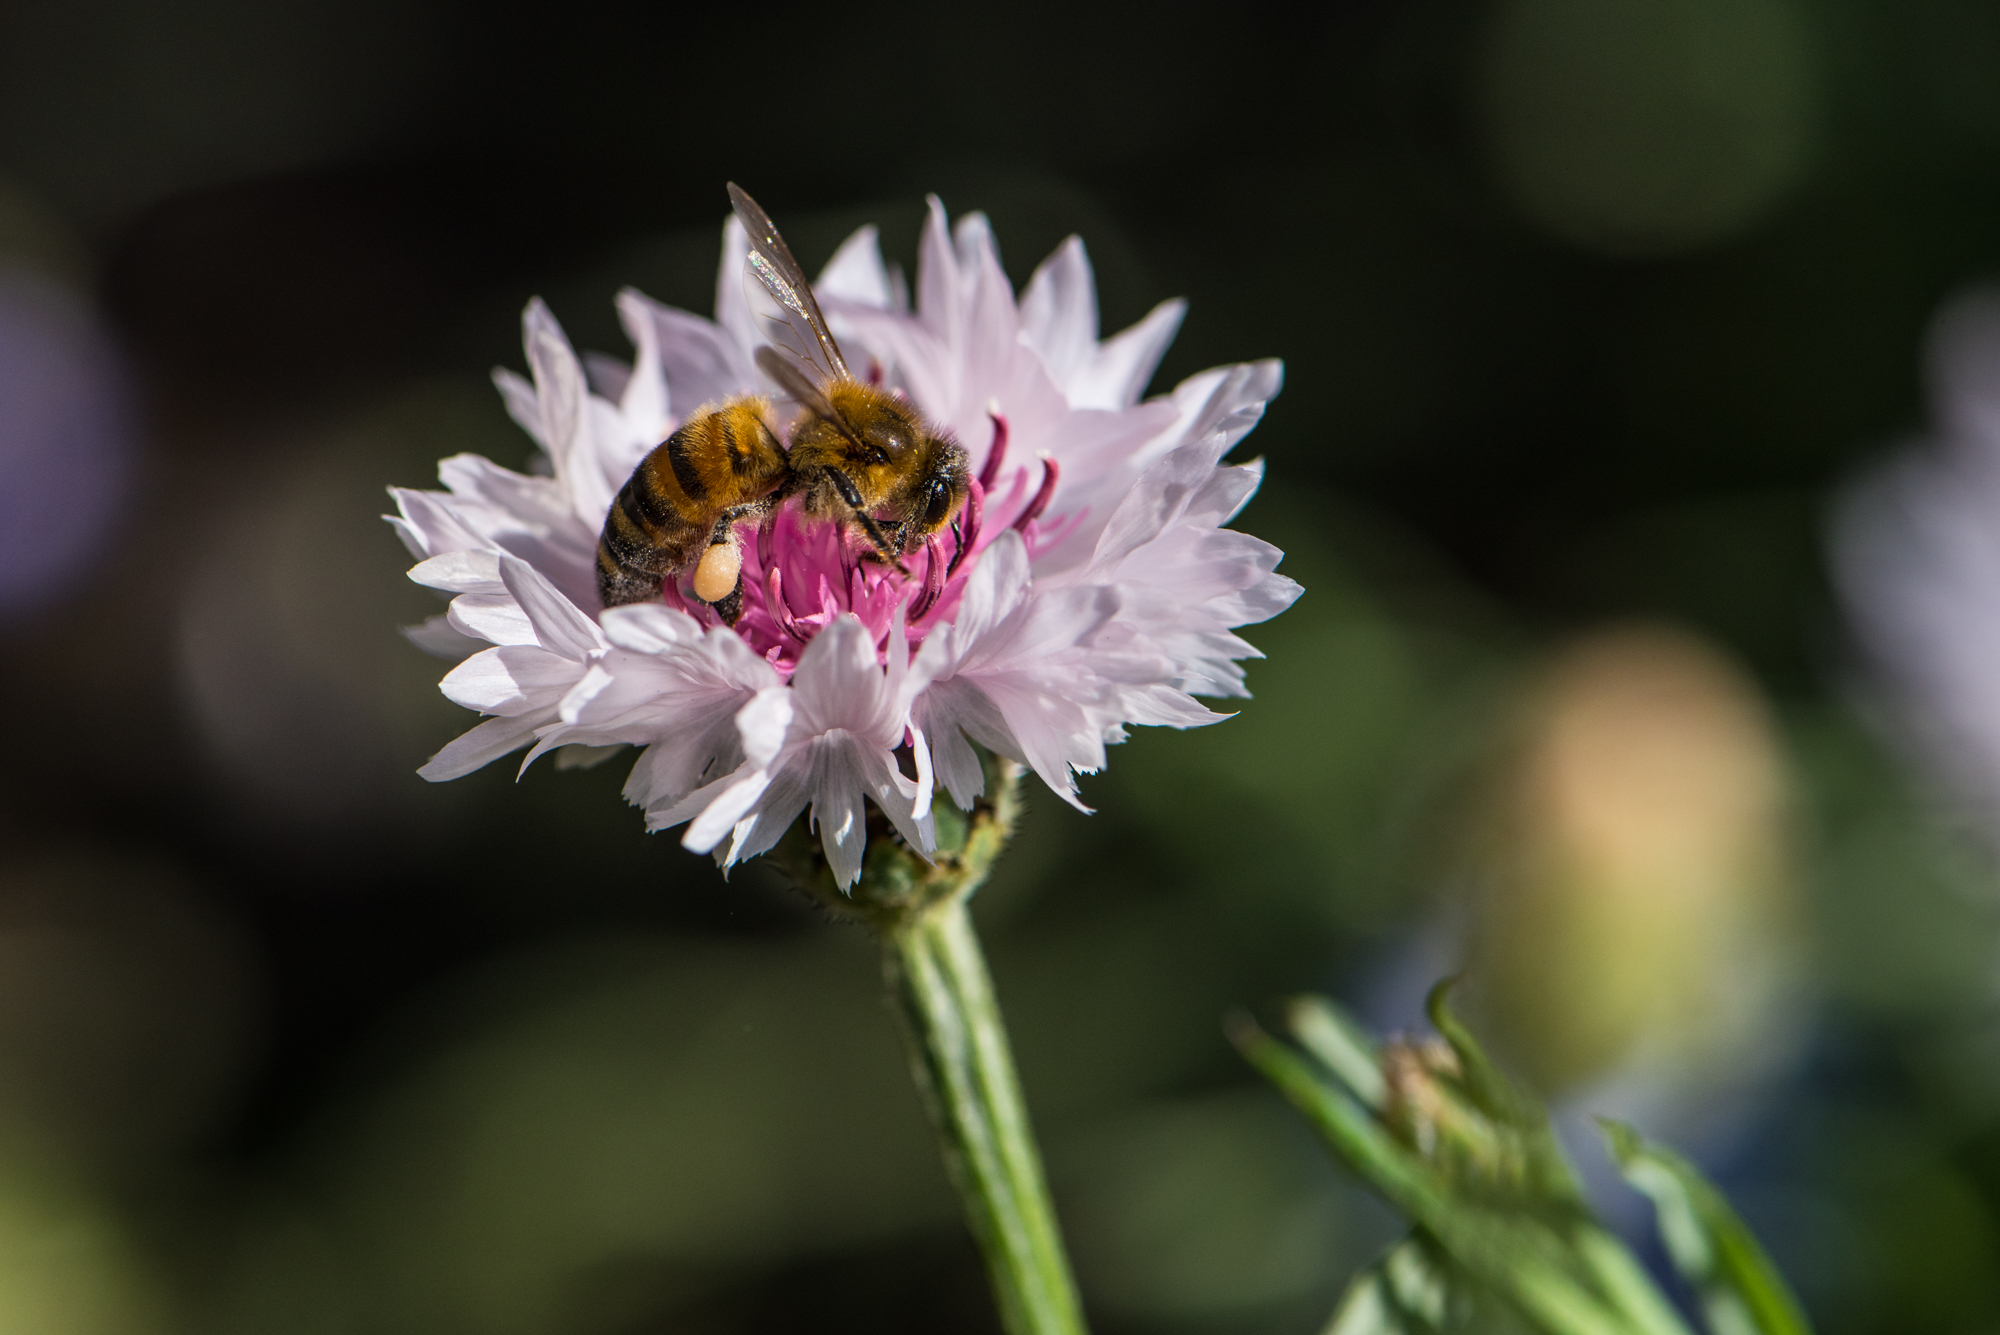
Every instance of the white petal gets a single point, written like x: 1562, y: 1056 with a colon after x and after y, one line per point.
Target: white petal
x: 607, y: 378
x: 521, y: 403
x: 1160, y: 498
x: 582, y: 690
x: 413, y: 541
x: 1059, y: 314
x: 838, y: 683
x: 1225, y: 494
x: 844, y: 770
x: 703, y: 362
x: 479, y: 747
x: 702, y: 744
x: 1260, y: 602
x: 461, y: 572
x: 856, y: 272
x: 574, y: 756
x: 1163, y: 706
x: 1054, y: 736
x: 495, y: 618
x: 938, y: 296
x: 1119, y: 369
x: 838, y: 812
x: 437, y: 637
x: 732, y: 291
x: 431, y: 523
x: 559, y: 384
x: 510, y: 680
x: 642, y: 400
x: 948, y: 712
x: 920, y: 750
x: 559, y: 627
x: 764, y: 723
x: 722, y: 805
x: 1236, y: 402
x: 780, y: 803
x: 1045, y: 626
x: 990, y: 345
x: 649, y: 628
x: 996, y: 587
x: 521, y: 497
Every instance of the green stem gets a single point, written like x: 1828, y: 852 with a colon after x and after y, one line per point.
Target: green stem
x: 962, y: 1064
x: 957, y: 1042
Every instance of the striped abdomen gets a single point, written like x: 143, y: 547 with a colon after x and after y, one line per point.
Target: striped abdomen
x: 684, y: 495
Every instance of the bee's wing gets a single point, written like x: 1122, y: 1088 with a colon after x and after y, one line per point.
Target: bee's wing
x: 771, y: 260
x: 791, y: 378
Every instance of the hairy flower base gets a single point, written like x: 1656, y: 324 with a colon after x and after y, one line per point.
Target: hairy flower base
x: 898, y: 886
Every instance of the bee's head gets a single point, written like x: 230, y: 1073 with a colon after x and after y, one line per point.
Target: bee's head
x: 920, y: 472
x: 896, y: 460
x: 882, y: 429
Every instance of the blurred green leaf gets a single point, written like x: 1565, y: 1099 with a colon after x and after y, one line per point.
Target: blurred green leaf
x: 1370, y: 1307
x: 1355, y: 1136
x: 1341, y: 1045
x: 1415, y: 1289
x: 1619, y: 1274
x: 1521, y: 1249
x: 1742, y: 1293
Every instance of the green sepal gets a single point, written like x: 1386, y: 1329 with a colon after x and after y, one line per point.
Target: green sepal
x: 1542, y: 1174
x: 1490, y: 1091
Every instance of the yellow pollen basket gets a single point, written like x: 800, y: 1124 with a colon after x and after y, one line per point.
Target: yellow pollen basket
x: 715, y: 577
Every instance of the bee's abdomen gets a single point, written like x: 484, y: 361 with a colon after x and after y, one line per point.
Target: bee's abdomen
x: 657, y: 524
x: 667, y: 512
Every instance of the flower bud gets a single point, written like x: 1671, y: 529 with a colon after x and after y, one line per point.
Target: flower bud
x: 1634, y: 875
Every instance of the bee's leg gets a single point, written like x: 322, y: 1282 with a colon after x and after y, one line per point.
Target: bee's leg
x: 898, y: 537
x: 736, y: 514
x: 718, y: 576
x: 730, y: 609
x: 764, y: 510
x: 887, y: 550
x: 891, y: 542
x: 730, y: 605
x: 762, y: 506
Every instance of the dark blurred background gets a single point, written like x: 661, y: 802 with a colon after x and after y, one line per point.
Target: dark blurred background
x: 1591, y: 311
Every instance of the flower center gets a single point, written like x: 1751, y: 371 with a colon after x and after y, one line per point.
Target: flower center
x: 800, y: 573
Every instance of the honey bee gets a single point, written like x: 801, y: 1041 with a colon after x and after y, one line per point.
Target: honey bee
x: 859, y: 455
x: 682, y: 503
